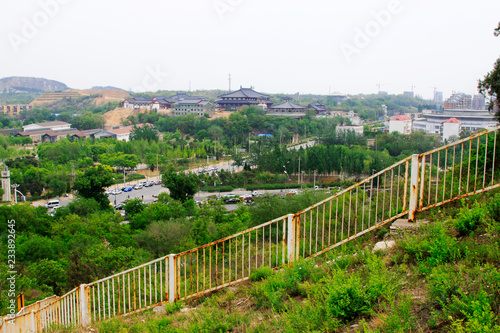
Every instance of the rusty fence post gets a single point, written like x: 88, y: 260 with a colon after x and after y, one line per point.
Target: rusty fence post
x: 291, y: 238
x: 413, y: 187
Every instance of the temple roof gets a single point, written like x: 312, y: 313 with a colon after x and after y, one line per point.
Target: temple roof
x: 245, y: 93
x: 288, y: 105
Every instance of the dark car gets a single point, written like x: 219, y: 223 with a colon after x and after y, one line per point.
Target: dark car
x: 232, y: 200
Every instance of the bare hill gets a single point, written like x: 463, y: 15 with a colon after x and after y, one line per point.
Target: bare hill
x: 115, y: 117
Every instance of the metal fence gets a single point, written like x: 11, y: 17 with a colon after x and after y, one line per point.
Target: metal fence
x: 414, y: 184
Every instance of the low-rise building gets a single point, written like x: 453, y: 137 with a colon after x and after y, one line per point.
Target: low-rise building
x: 344, y: 129
x: 287, y: 109
x: 49, y: 125
x: 469, y: 119
x: 197, y: 107
x: 401, y: 124
x: 451, y: 129
x: 13, y: 110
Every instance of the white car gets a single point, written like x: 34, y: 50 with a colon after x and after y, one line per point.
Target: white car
x: 138, y: 187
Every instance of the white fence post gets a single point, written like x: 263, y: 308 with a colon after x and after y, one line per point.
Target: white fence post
x: 291, y: 238
x: 84, y: 306
x: 172, y: 277
x: 33, y: 323
x: 413, y: 187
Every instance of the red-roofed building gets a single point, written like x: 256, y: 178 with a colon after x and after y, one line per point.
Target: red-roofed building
x: 451, y: 128
x: 401, y: 124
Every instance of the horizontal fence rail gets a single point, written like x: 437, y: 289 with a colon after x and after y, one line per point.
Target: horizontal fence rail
x: 353, y: 212
x: 460, y: 169
x: 415, y: 184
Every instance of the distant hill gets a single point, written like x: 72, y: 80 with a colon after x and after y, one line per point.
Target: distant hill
x: 106, y: 88
x: 16, y: 84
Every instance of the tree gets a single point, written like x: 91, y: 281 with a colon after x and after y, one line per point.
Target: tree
x: 490, y: 85
x: 182, y: 187
x: 92, y: 182
x: 147, y: 133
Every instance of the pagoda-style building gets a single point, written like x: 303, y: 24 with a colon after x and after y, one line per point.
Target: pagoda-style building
x: 287, y: 109
x: 318, y: 107
x: 239, y: 98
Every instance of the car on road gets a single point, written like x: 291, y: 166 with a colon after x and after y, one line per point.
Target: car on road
x: 128, y: 189
x: 138, y: 187
x: 232, y: 200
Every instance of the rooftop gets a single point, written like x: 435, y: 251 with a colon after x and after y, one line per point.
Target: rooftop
x: 400, y: 118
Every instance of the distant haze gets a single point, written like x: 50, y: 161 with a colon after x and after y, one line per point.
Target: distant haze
x: 276, y: 46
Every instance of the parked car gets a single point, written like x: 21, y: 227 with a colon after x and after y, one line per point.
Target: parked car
x: 149, y: 184
x: 232, y: 200
x: 128, y: 189
x: 116, y: 192
x: 158, y: 182
x: 109, y: 192
x: 138, y: 187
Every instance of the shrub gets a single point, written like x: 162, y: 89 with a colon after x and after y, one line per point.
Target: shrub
x: 494, y: 208
x: 469, y: 220
x: 260, y: 274
x: 348, y: 297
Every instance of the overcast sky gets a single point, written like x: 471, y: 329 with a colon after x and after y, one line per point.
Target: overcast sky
x: 277, y: 46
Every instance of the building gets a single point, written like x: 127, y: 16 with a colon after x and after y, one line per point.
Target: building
x: 358, y: 130
x: 13, y: 110
x: 157, y: 102
x: 50, y: 125
x: 317, y: 107
x: 336, y: 98
x: 409, y: 93
x: 478, y: 102
x: 287, y: 109
x: 459, y: 101
x: 471, y: 120
x: 451, y: 128
x: 243, y: 97
x: 196, y: 107
x: 438, y: 97
x: 401, y: 124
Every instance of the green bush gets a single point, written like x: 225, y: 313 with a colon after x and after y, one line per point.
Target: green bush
x: 494, y: 208
x: 260, y: 274
x: 469, y: 220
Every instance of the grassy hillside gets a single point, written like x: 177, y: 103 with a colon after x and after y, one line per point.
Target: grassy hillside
x: 442, y: 277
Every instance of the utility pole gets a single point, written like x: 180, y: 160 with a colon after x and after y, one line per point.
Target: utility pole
x: 72, y: 174
x: 300, y: 180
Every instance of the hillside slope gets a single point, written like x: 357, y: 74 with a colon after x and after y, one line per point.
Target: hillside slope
x: 443, y: 276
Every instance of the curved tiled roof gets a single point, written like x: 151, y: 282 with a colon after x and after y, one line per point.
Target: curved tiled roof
x: 401, y: 118
x: 288, y: 105
x: 452, y: 120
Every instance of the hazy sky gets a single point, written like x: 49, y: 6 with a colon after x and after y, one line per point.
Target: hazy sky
x: 290, y: 46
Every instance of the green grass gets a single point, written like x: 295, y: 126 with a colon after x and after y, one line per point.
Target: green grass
x: 442, y: 277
